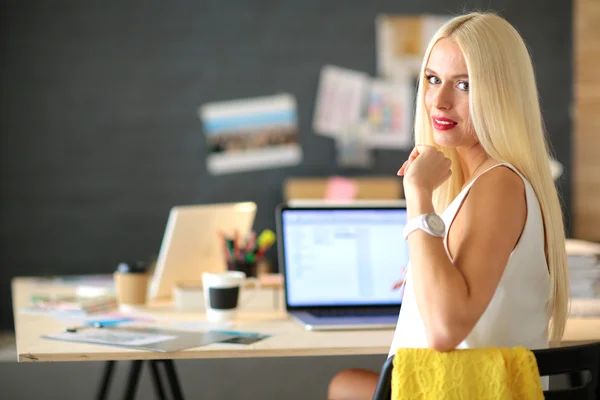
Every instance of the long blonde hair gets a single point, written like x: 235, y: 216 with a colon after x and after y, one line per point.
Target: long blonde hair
x: 506, y: 116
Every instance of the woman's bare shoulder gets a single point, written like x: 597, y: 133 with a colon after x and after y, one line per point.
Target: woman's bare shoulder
x: 497, y: 185
x: 494, y: 207
x: 497, y: 195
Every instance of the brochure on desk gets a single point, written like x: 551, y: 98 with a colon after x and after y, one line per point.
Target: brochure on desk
x: 151, y: 339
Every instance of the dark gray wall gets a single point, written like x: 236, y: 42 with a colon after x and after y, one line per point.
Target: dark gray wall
x: 100, y: 135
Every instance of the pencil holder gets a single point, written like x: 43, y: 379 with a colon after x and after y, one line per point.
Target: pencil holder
x: 249, y: 268
x: 244, y: 254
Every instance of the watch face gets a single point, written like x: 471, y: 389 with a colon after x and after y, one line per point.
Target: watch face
x: 436, y: 224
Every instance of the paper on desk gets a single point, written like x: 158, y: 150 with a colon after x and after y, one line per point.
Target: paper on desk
x: 115, y: 318
x: 111, y: 318
x: 112, y: 337
x: 243, y: 338
x: 577, y: 247
x: 142, y: 338
x: 200, y: 325
x: 584, y: 308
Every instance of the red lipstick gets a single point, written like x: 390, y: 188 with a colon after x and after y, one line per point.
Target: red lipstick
x: 442, y: 123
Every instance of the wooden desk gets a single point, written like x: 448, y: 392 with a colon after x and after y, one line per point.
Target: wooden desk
x: 289, y: 338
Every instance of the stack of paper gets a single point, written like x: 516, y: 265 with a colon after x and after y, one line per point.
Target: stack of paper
x: 71, y: 305
x: 584, y: 275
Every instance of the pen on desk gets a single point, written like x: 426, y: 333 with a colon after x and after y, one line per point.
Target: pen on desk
x: 260, y: 252
x: 75, y: 329
x: 264, y: 242
x: 226, y: 246
x: 250, y: 242
x: 236, y: 245
x: 266, y: 238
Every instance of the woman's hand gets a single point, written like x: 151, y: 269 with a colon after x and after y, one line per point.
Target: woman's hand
x: 426, y: 169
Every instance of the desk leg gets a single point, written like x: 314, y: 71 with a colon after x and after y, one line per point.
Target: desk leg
x: 598, y: 372
x: 575, y: 379
x: 106, y: 378
x: 173, y: 381
x: 134, y: 378
x: 158, y: 387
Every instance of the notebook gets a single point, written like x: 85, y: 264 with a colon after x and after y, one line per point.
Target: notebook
x: 341, y: 263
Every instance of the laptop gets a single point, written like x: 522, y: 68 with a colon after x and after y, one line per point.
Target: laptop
x: 340, y: 264
x: 191, y: 243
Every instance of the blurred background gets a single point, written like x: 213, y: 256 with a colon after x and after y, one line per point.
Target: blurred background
x: 101, y: 132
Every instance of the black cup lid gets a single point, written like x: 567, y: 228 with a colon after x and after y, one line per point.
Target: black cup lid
x: 138, y: 267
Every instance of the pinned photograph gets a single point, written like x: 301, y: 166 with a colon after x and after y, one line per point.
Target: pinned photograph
x: 352, y: 148
x: 402, y: 41
x: 340, y: 100
x: 389, y: 115
x: 251, y: 134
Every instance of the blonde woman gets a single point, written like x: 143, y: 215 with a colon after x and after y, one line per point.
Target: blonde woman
x: 486, y: 236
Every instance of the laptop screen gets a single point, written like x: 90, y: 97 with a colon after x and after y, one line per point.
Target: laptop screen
x: 343, y: 256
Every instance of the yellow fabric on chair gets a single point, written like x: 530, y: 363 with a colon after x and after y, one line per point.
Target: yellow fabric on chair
x: 486, y: 373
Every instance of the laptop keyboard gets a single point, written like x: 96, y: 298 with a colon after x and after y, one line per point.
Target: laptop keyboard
x: 356, y: 312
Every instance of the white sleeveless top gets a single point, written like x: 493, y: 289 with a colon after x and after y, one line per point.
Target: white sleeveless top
x: 518, y: 312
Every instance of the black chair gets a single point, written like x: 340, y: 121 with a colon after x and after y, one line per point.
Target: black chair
x: 572, y: 360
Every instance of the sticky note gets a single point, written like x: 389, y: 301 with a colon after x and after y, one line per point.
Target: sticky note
x: 339, y: 188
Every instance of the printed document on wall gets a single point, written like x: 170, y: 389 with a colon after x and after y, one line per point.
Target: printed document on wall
x: 402, y: 41
x: 340, y: 100
x: 251, y: 134
x: 389, y: 115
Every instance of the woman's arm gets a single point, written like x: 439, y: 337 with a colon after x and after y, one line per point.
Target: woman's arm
x: 451, y: 297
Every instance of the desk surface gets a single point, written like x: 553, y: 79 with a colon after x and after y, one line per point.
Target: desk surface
x: 289, y: 338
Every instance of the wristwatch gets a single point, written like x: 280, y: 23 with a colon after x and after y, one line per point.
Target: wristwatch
x: 432, y: 223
